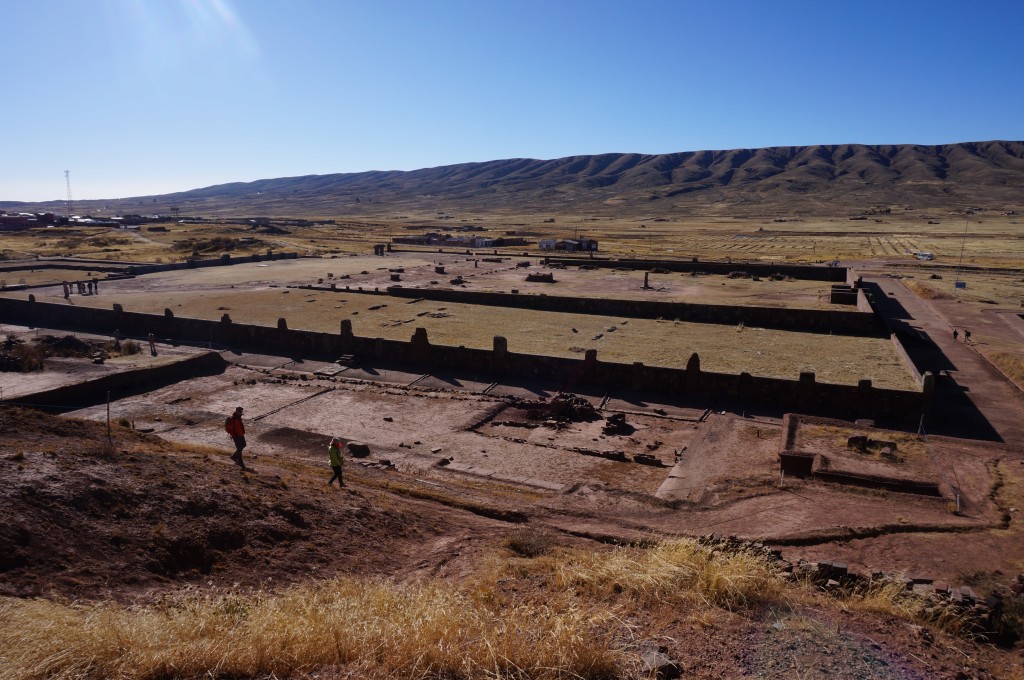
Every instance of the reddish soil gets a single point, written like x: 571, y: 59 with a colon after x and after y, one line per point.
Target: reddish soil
x: 142, y: 516
x: 455, y: 466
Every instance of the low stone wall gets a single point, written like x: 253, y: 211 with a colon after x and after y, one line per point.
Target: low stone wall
x: 797, y: 271
x: 901, y: 352
x: 95, y: 391
x: 840, y: 322
x: 816, y: 465
x: 804, y: 394
x: 223, y: 260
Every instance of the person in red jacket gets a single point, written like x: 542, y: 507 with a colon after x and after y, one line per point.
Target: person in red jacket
x: 236, y: 429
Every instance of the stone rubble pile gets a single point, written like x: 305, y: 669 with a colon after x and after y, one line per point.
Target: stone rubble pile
x: 981, y: 616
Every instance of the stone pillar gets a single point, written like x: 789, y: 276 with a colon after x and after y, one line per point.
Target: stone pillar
x: 168, y: 314
x: 419, y: 346
x: 927, y: 392
x: 805, y: 391
x: 346, y: 328
x: 744, y: 386
x: 637, y: 374
x: 225, y: 318
x: 693, y: 379
x: 864, y: 402
x: 647, y: 286
x: 500, y: 345
x: 282, y: 325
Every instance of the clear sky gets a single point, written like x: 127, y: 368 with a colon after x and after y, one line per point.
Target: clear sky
x: 140, y: 97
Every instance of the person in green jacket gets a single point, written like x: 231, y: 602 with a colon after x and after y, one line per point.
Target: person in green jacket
x: 334, y: 458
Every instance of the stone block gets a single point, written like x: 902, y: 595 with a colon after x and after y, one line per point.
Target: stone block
x: 858, y: 442
x: 358, y: 449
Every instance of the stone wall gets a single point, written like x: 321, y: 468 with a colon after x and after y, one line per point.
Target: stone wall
x: 796, y: 271
x: 840, y: 322
x: 225, y: 259
x: 804, y: 394
x: 95, y: 391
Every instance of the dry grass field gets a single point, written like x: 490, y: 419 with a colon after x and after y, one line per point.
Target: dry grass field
x: 257, y: 293
x: 992, y: 239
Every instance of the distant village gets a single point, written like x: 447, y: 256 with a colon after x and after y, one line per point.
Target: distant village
x: 24, y: 220
x: 466, y: 236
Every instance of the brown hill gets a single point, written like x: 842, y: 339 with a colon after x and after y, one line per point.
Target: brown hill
x: 803, y: 179
x: 88, y: 517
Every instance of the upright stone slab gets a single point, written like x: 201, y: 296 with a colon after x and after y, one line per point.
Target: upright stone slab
x: 693, y: 377
x: 805, y: 390
x: 419, y: 346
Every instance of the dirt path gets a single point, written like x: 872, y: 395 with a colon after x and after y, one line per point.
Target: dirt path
x: 973, y: 399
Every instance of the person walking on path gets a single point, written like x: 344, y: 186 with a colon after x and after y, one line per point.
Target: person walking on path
x: 956, y: 334
x: 234, y: 427
x: 967, y: 336
x: 334, y: 459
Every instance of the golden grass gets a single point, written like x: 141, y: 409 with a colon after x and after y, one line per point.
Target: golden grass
x: 573, y: 627
x: 559, y: 613
x: 1010, y: 363
x: 774, y: 353
x: 374, y: 629
x: 671, y: 573
x: 893, y: 599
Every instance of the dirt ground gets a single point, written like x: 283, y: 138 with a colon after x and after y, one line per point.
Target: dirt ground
x: 451, y: 473
x: 456, y: 465
x: 709, y: 472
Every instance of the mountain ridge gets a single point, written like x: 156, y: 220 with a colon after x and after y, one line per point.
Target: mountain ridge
x: 772, y: 179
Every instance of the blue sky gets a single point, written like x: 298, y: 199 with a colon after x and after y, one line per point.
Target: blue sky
x: 140, y: 97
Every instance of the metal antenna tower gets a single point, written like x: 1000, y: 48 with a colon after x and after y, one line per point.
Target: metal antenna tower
x: 67, y: 180
x: 959, y: 268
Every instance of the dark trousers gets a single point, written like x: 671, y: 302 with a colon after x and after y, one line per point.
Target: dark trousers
x: 337, y: 475
x: 239, y: 445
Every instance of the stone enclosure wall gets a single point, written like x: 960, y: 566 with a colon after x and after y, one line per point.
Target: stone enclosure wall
x: 840, y: 322
x: 796, y: 271
x: 804, y: 394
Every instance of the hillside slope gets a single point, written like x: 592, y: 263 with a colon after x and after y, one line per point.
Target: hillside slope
x: 846, y: 177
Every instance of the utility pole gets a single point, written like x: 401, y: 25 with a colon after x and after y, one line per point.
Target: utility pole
x: 67, y: 180
x: 958, y: 285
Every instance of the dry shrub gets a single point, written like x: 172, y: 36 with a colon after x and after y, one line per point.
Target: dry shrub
x: 893, y: 599
x: 890, y: 598
x: 529, y: 542
x: 376, y: 629
x: 925, y: 292
x: 130, y: 347
x: 682, y: 571
x: 29, y: 357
